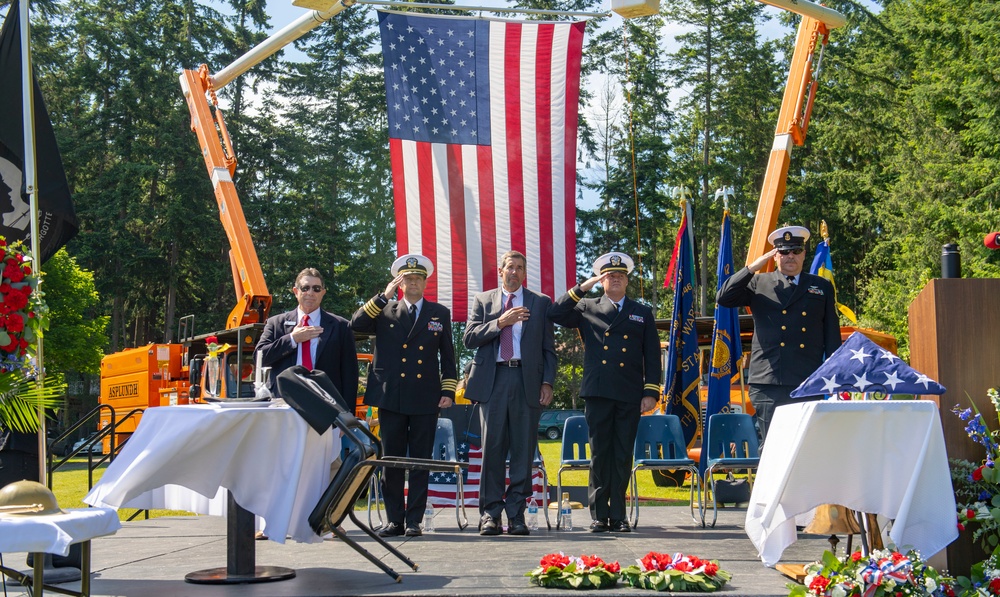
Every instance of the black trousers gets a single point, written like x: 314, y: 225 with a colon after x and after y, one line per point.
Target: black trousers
x: 402, y: 435
x: 510, y: 427
x: 613, y: 425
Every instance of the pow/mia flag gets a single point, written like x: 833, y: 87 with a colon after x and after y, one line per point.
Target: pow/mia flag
x: 57, y: 221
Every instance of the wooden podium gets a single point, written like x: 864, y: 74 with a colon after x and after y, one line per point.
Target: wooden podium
x: 955, y: 339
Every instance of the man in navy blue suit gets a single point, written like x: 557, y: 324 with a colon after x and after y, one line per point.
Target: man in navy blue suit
x: 313, y: 338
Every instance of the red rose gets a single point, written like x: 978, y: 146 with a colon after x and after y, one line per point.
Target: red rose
x: 15, y: 301
x: 215, y: 340
x: 897, y: 557
x: 818, y: 585
x: 3, y: 242
x: 899, y: 594
x: 977, y: 475
x: 13, y: 272
x: 15, y: 322
x: 11, y: 346
x: 557, y: 560
x: 613, y: 567
x: 970, y: 514
x: 711, y: 569
x: 592, y: 561
x: 2, y: 254
x: 683, y: 566
x: 961, y: 527
x: 27, y: 270
x: 856, y: 556
x: 995, y: 586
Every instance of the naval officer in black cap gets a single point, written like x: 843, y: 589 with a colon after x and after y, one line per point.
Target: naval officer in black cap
x: 621, y: 380
x: 796, y: 326
x: 412, y: 377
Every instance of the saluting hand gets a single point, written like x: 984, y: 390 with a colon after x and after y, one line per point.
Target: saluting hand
x: 590, y: 283
x: 761, y: 261
x: 390, y: 289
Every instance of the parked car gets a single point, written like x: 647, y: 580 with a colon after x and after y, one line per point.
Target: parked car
x: 551, y: 423
x: 95, y: 448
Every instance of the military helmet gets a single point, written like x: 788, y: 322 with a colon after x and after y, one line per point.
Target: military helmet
x: 28, y: 497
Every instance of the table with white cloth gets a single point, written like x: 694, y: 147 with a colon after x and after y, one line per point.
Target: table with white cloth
x: 877, y: 457
x: 217, y: 458
x: 54, y: 533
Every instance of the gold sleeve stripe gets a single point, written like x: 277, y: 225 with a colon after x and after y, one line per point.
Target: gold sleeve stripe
x: 372, y: 309
x: 449, y: 385
x: 573, y: 295
x: 651, y: 386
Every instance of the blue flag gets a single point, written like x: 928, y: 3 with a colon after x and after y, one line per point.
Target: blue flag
x: 726, y: 347
x: 822, y: 266
x: 682, y: 370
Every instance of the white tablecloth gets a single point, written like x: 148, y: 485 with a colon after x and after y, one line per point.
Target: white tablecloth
x: 883, y: 457
x: 186, y: 457
x: 54, y: 533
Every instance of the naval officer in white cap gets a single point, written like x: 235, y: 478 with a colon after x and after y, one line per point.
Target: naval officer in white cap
x: 621, y: 379
x: 412, y: 377
x: 796, y: 326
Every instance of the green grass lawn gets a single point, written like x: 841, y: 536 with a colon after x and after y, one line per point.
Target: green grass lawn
x: 70, y: 485
x: 649, y: 493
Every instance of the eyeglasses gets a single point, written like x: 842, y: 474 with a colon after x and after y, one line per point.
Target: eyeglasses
x: 795, y: 251
x: 314, y: 288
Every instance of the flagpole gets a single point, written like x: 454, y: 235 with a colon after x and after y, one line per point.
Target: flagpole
x: 31, y: 186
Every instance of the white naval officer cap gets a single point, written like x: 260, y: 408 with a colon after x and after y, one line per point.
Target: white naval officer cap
x: 789, y: 236
x: 412, y: 263
x: 613, y: 262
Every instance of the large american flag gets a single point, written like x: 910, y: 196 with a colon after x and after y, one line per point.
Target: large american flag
x: 441, y: 492
x: 482, y: 137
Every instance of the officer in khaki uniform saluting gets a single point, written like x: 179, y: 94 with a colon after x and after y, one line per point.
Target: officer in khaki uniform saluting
x: 412, y: 377
x: 795, y: 321
x: 621, y: 379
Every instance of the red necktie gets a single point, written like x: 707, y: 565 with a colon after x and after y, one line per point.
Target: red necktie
x: 307, y: 358
x: 507, y: 334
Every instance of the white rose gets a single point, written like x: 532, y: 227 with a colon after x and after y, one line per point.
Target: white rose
x: 930, y: 584
x: 838, y: 591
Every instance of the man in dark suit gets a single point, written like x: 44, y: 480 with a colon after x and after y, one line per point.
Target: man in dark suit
x: 511, y: 378
x: 412, y: 377
x: 313, y: 338
x: 795, y: 321
x: 621, y: 380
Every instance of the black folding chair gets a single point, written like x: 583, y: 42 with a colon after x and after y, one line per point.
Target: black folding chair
x: 314, y: 397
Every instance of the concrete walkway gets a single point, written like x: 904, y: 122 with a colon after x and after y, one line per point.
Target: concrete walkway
x: 150, y: 558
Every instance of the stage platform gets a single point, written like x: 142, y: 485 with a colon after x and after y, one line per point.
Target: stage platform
x: 150, y: 558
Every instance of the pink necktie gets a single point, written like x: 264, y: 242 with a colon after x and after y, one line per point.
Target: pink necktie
x: 307, y: 358
x: 507, y: 334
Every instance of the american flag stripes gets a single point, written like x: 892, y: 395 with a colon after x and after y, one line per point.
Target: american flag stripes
x: 482, y: 138
x: 441, y: 488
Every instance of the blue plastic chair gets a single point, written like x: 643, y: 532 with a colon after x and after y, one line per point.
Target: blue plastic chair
x: 659, y: 446
x: 575, y: 451
x: 445, y: 449
x: 731, y: 444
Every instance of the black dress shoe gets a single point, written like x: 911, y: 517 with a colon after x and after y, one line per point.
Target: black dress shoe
x: 488, y: 527
x: 517, y: 527
x: 413, y: 530
x: 392, y: 529
x: 620, y: 526
x: 599, y: 526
